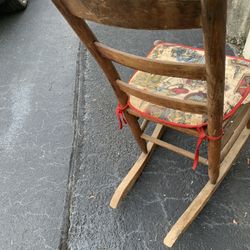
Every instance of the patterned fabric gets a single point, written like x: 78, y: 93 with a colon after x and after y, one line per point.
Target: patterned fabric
x: 236, y: 83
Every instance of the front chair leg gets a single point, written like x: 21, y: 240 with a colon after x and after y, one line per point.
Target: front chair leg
x: 214, y: 150
x: 136, y: 131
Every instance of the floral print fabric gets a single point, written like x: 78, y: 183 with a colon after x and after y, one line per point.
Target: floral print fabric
x: 236, y: 83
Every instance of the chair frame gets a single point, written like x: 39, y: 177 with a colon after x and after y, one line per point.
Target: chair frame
x: 211, y: 16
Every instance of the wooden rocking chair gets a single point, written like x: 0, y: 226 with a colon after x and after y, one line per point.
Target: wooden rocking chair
x: 207, y: 118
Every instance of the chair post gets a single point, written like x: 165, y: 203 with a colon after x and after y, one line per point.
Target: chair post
x: 214, y: 28
x: 88, y: 38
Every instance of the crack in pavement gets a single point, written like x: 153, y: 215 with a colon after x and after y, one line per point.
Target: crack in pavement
x: 74, y: 163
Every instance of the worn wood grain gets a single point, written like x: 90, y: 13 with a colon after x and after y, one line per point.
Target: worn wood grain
x: 157, y: 67
x: 139, y: 14
x: 214, y: 28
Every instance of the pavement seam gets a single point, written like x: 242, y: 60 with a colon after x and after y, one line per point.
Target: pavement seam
x: 74, y: 164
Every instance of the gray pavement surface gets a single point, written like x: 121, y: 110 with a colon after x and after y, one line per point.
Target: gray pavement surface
x: 37, y: 69
x: 166, y: 186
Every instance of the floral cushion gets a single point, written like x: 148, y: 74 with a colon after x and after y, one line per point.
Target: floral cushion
x: 236, y: 83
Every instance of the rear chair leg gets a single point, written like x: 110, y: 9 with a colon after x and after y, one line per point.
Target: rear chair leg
x: 214, y: 150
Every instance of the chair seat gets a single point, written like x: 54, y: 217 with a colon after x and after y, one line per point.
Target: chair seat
x: 237, y: 83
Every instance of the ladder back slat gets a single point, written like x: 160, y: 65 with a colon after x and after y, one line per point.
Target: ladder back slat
x: 168, y: 102
x: 166, y: 68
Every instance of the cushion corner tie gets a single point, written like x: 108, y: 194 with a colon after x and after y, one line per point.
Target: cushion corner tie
x: 120, y: 115
x: 203, y: 136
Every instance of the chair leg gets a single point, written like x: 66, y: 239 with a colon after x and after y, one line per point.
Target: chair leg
x: 248, y: 124
x: 214, y: 151
x: 136, y: 131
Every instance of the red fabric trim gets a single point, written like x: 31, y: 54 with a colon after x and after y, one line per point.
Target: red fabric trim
x: 120, y: 116
x: 203, y: 136
x: 198, y: 144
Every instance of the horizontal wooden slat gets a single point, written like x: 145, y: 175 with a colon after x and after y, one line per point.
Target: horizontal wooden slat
x: 158, y: 67
x: 173, y: 148
x: 139, y: 14
x: 168, y: 102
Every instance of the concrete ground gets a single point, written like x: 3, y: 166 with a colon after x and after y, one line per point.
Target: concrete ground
x: 37, y: 68
x: 40, y: 93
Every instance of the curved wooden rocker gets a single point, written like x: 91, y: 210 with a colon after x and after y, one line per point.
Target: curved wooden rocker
x: 136, y: 170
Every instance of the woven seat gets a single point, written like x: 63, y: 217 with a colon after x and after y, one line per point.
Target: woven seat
x: 237, y: 84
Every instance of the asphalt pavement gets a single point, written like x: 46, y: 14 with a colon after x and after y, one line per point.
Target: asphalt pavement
x: 38, y: 55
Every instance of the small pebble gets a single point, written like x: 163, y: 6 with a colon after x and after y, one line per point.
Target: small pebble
x: 235, y: 222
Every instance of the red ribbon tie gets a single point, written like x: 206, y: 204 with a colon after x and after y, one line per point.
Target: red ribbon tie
x: 120, y: 115
x: 203, y: 136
